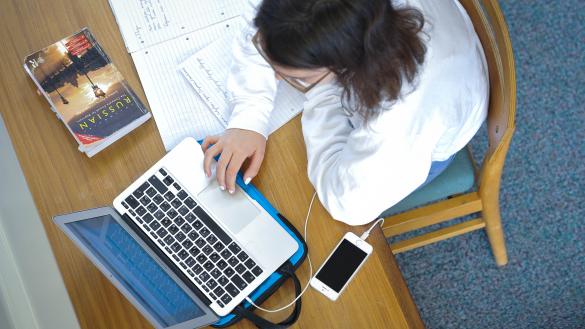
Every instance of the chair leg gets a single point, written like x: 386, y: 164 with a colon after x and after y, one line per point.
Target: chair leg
x: 493, y: 227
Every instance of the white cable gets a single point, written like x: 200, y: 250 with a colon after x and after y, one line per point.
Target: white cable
x: 310, y: 267
x: 366, y: 234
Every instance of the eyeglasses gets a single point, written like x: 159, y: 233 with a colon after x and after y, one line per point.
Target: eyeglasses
x: 297, y: 83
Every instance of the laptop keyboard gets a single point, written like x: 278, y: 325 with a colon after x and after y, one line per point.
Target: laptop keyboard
x: 191, y: 238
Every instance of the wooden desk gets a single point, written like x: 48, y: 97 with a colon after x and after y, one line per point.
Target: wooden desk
x: 63, y: 180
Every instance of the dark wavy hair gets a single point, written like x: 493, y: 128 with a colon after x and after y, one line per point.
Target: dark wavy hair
x: 370, y: 46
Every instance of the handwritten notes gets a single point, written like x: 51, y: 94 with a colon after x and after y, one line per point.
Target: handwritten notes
x: 207, y: 71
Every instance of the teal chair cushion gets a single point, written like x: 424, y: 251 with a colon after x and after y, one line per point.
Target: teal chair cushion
x: 457, y: 178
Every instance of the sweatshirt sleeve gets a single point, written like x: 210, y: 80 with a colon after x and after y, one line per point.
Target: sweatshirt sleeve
x: 251, y: 80
x: 360, y: 172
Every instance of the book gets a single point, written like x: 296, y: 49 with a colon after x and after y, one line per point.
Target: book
x: 86, y: 91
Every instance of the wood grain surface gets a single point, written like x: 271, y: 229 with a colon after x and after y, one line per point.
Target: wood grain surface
x: 63, y: 180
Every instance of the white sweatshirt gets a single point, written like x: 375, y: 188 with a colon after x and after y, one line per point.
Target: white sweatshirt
x: 359, y: 170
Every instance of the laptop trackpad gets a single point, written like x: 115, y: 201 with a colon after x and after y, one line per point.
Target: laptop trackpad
x: 235, y: 211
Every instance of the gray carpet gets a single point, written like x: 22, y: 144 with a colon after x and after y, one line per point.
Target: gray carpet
x: 456, y: 283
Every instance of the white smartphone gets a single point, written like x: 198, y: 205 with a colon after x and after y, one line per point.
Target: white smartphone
x: 341, y: 266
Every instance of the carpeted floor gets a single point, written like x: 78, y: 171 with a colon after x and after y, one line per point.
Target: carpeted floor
x: 456, y: 283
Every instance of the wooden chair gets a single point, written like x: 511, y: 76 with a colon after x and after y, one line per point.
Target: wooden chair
x: 452, y: 186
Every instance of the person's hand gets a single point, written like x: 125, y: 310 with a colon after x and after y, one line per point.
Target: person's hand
x: 235, y: 146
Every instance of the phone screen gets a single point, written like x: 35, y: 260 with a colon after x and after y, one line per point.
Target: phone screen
x: 341, y: 265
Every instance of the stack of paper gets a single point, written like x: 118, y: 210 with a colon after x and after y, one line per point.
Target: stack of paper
x: 182, y: 52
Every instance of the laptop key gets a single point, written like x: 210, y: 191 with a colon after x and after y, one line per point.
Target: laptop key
x: 215, y: 273
x: 233, y: 261
x: 180, y: 237
x: 183, y: 210
x: 232, y: 289
x: 218, y: 246
x: 200, y: 242
x: 197, y: 224
x: 165, y: 206
x: 204, y: 276
x: 159, y: 214
x: 179, y: 220
x: 190, y: 273
x: 155, y: 225
x: 168, y: 180
x: 187, y: 244
x: 214, y: 257
x: 242, y: 256
x: 158, y: 185
x: 201, y: 258
x: 249, y: 263
x: 172, y: 213
x: 162, y: 232
x: 131, y: 201
x: 176, y: 258
x: 169, y: 240
x: 125, y: 204
x: 225, y: 299
x: 147, y: 218
x: 212, y: 225
x: 190, y: 218
x: 190, y: 261
x: 184, y: 266
x: 204, y: 232
x: 183, y: 254
x: 234, y: 248
x: 166, y: 222
x: 158, y: 199
x: 194, y: 251
x: 176, y: 247
x: 197, y: 269
x: 169, y: 196
x: 211, y: 284
x: 221, y: 264
x: 208, y: 265
x: 241, y: 284
x: 257, y: 271
x: 186, y: 228
x: 173, y: 229
x: 182, y: 194
x: 223, y: 280
x: 145, y: 200
x: 249, y: 277
x: 141, y: 211
x: 162, y: 172
x: 190, y: 203
x: 240, y: 268
x: 151, y: 207
x: 176, y: 203
x: 150, y: 192
x: 193, y: 235
x: 229, y: 272
x: 211, y: 239
x: 177, y: 186
x: 226, y: 254
x: 218, y: 291
x: 207, y: 250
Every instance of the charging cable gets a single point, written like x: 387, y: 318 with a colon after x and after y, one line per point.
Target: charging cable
x: 364, y: 236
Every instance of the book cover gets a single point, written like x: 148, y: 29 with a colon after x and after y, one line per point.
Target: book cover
x: 86, y: 90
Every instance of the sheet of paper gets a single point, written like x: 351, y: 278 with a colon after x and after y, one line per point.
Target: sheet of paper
x: 179, y: 112
x: 207, y: 71
x: 145, y: 23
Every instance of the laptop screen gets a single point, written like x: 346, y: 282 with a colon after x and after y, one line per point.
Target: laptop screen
x: 134, y: 268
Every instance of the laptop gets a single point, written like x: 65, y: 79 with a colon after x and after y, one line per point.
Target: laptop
x: 182, y: 251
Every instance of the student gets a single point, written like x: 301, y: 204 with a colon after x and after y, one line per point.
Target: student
x: 394, y: 89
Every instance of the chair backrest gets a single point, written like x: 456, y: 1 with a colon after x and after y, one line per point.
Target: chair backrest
x: 492, y: 30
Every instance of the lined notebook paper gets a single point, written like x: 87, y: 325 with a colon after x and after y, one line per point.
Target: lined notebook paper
x: 207, y: 71
x: 160, y: 35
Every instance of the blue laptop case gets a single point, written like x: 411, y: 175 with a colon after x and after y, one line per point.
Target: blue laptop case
x: 274, y: 281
